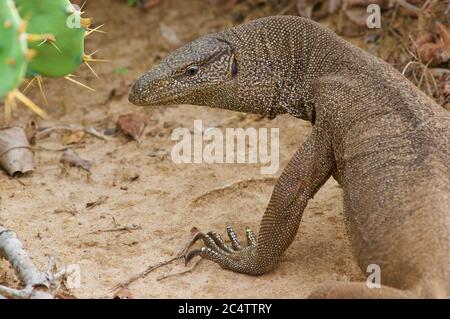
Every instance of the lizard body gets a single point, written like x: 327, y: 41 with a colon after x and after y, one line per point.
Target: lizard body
x: 381, y: 138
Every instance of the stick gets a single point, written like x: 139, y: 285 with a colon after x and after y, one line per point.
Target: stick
x: 162, y: 277
x: 232, y: 185
x: 38, y: 285
x: 61, y: 149
x: 120, y: 229
x: 160, y: 264
x: 88, y: 130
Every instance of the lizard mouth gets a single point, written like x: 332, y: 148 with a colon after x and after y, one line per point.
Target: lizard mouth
x: 143, y: 97
x: 166, y: 99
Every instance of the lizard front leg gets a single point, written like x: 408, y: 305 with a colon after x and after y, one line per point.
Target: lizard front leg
x: 306, y: 172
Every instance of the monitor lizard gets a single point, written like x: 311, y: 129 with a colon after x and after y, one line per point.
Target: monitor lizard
x: 384, y: 141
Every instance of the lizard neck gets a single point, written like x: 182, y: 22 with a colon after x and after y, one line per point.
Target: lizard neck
x: 279, y: 59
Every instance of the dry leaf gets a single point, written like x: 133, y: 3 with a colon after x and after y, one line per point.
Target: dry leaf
x: 15, y: 154
x: 444, y: 34
x: 71, y: 158
x: 432, y: 52
x: 73, y: 138
x: 427, y: 37
x: 132, y: 125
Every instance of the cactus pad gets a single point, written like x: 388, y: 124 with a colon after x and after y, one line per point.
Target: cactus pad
x: 62, y: 55
x: 13, y: 48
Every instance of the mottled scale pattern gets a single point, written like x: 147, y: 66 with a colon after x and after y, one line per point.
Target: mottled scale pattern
x: 382, y: 139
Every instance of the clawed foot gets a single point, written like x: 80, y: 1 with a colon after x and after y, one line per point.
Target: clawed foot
x: 234, y: 257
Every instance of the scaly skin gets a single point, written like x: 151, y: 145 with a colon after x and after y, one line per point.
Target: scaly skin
x: 382, y: 139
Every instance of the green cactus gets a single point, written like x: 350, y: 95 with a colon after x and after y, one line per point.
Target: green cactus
x: 62, y: 52
x: 40, y: 38
x: 14, y: 56
x: 13, y: 48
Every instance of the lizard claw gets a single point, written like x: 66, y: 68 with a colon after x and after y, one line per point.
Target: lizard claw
x: 232, y: 257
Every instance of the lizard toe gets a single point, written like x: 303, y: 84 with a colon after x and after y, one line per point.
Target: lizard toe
x: 233, y: 237
x: 251, y: 238
x: 222, y: 259
x: 220, y: 242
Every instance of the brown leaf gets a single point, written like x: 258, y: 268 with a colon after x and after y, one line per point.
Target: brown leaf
x: 432, y: 52
x: 444, y: 33
x: 73, y: 138
x: 427, y: 37
x: 123, y: 293
x: 132, y: 125
x: 15, y: 154
x: 71, y: 158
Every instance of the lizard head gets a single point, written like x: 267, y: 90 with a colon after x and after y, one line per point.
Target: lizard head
x: 201, y: 72
x: 214, y: 71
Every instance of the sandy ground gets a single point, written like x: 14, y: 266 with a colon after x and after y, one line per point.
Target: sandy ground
x: 145, y: 188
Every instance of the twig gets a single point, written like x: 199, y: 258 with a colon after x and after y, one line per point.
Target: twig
x: 162, y: 277
x: 160, y: 264
x: 98, y: 202
x: 409, y: 6
x: 88, y: 130
x: 286, y: 9
x: 232, y: 185
x: 21, y: 182
x: 92, y: 131
x: 61, y: 149
x: 125, y: 228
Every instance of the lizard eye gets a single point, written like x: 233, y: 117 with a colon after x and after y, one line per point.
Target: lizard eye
x: 192, y: 70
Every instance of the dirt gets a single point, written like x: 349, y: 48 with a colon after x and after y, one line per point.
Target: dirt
x: 140, y: 187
